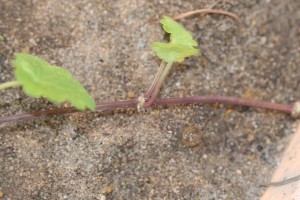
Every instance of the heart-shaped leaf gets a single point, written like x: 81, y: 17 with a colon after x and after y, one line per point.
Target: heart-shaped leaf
x: 41, y: 79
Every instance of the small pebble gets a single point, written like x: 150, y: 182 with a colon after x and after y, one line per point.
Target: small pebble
x: 130, y: 95
x: 250, y: 138
x: 239, y: 172
x: 102, y: 197
x: 108, y: 189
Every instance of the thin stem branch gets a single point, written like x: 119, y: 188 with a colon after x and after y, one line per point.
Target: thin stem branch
x: 208, y: 11
x: 9, y: 84
x: 281, y: 183
x: 161, y: 68
x: 158, y: 85
x: 106, y: 106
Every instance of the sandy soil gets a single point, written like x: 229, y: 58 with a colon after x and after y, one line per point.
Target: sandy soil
x: 146, y: 155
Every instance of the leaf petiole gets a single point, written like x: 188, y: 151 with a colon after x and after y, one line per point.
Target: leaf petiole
x: 158, y: 83
x: 149, y: 92
x: 9, y: 84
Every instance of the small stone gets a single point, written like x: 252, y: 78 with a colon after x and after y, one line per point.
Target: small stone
x: 250, y: 138
x: 239, y: 172
x: 178, y: 84
x: 26, y: 50
x: 1, y: 194
x: 228, y: 111
x: 109, y: 189
x: 102, y: 197
x: 52, y: 121
x: 130, y: 95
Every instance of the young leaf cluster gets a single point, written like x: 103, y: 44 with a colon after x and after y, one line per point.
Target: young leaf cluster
x: 181, y: 43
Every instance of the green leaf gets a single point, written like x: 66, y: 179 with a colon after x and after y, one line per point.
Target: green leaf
x: 173, y: 52
x: 1, y: 38
x: 41, y: 79
x: 178, y: 33
x: 181, y: 43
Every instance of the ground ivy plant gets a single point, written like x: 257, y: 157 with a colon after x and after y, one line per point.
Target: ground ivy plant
x: 181, y: 45
x: 41, y: 79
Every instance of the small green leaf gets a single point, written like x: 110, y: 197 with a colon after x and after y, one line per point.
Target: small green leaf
x: 1, y: 38
x: 181, y: 43
x: 178, y: 33
x: 41, y: 79
x: 173, y: 52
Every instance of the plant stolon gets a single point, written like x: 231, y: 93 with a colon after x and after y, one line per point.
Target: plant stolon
x: 36, y: 77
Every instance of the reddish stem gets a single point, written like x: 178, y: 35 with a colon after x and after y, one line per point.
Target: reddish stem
x: 288, y: 108
x: 67, y: 110
x: 105, y: 106
x: 208, y: 11
x: 160, y: 79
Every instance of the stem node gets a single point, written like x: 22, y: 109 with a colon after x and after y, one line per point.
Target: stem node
x: 296, y: 109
